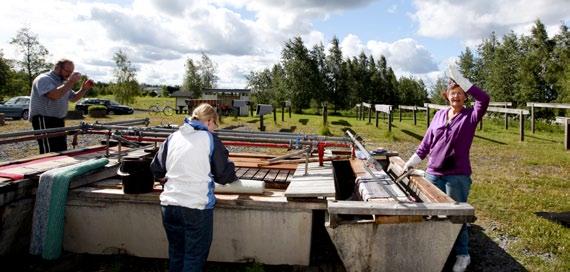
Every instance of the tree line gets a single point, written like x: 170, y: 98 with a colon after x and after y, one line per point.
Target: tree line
x: 16, y: 76
x: 310, y: 77
x: 521, y: 69
x: 517, y: 69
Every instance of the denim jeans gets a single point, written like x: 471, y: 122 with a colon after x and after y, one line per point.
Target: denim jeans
x: 457, y: 187
x: 189, y: 233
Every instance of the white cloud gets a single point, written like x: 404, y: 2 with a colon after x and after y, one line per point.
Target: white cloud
x: 352, y: 46
x: 471, y: 20
x: 392, y: 9
x: 405, y: 55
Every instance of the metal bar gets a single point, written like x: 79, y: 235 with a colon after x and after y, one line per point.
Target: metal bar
x: 270, y: 145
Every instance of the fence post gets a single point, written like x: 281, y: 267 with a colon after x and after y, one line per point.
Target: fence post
x: 506, y: 121
x: 377, y: 118
x: 275, y: 115
x: 370, y: 113
x: 282, y: 112
x: 481, y: 124
x: 414, y: 111
x: 325, y: 114
x: 427, y: 115
x: 567, y: 134
x: 390, y: 120
x: 521, y: 116
x: 532, y: 118
x: 400, y: 110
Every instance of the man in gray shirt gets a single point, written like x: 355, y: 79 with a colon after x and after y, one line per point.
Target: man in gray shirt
x: 51, y: 93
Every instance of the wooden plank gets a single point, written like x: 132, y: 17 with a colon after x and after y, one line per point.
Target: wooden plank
x: 548, y: 105
x: 398, y: 219
x: 250, y: 173
x: 402, y: 107
x: 282, y: 176
x: 270, y: 177
x: 285, y: 166
x: 392, y: 208
x: 418, y: 184
x: 319, y: 181
x: 500, y: 104
x: 510, y: 111
x: 240, y: 171
x: 383, y: 108
x: 435, y: 106
x: 261, y: 174
x: 252, y: 155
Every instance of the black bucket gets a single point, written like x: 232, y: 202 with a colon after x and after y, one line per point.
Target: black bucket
x: 136, y: 175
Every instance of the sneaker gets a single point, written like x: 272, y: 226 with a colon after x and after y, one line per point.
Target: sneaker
x: 461, y: 263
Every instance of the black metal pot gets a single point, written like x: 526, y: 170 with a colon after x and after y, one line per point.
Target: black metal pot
x: 136, y: 175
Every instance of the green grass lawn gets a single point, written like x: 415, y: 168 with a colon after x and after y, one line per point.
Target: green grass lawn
x: 512, y: 179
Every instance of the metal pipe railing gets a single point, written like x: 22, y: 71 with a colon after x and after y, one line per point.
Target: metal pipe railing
x: 72, y: 128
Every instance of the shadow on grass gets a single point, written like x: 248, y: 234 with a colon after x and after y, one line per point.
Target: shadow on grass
x: 562, y: 218
x: 541, y: 139
x: 253, y: 121
x: 486, y: 254
x: 232, y: 127
x: 417, y: 136
x: 304, y: 121
x: 490, y: 140
x: 292, y: 129
x: 341, y: 122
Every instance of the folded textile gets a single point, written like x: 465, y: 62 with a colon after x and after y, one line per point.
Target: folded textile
x: 49, y: 209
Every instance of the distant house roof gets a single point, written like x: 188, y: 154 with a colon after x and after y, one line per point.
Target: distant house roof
x: 226, y: 90
x: 181, y: 94
x: 209, y: 91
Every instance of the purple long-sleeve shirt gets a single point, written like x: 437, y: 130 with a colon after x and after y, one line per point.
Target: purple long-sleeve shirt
x: 448, y: 145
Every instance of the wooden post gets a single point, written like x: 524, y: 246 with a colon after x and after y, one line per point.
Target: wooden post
x: 506, y: 121
x: 427, y: 116
x: 251, y: 109
x: 325, y: 114
x: 400, y: 110
x: 390, y: 121
x: 377, y: 112
x: 282, y: 112
x: 370, y: 113
x: 532, y: 118
x: 274, y: 115
x: 521, y: 116
x: 414, y: 111
x: 481, y: 124
x: 289, y: 111
x: 567, y: 134
x: 261, y: 126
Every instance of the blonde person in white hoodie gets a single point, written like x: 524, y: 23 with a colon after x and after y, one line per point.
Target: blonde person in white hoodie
x: 190, y: 161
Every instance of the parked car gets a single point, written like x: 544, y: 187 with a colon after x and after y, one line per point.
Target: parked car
x: 16, y: 107
x: 112, y: 106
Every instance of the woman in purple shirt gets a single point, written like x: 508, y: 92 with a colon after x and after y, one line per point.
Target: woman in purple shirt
x: 447, y: 142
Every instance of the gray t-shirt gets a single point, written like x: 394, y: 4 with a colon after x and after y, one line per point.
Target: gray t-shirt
x: 40, y: 104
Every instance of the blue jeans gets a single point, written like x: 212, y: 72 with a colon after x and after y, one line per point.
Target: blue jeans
x: 457, y: 187
x: 189, y: 233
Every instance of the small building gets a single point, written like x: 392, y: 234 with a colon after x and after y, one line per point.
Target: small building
x: 223, y: 98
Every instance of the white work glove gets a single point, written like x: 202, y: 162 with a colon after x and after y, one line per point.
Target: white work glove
x: 456, y: 75
x: 412, y: 162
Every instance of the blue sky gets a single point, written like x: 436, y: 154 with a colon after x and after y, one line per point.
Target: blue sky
x: 418, y: 38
